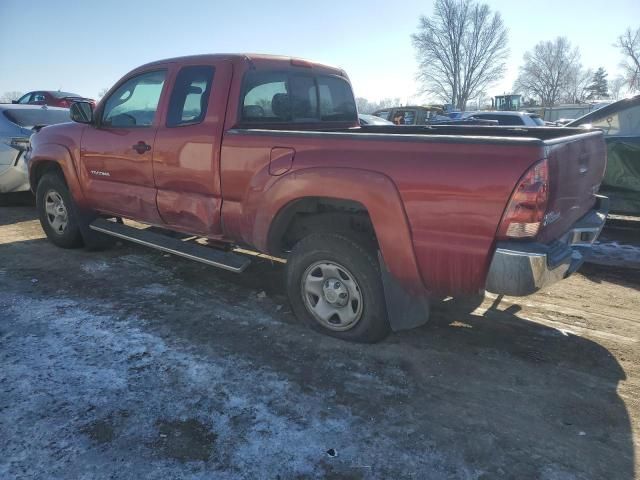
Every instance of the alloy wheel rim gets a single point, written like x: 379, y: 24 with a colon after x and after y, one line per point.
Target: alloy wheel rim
x: 56, y: 211
x: 332, y: 295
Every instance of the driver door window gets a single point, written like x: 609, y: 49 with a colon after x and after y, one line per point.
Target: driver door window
x: 135, y: 102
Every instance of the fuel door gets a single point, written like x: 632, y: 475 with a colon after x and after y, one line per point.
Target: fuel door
x: 281, y: 160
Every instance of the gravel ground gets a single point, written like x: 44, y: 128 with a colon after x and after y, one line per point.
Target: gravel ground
x: 133, y: 364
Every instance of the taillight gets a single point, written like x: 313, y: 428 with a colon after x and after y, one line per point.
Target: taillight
x: 528, y: 204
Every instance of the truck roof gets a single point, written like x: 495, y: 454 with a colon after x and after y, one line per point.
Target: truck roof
x: 248, y: 57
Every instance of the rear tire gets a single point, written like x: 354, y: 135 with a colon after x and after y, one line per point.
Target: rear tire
x: 334, y: 285
x: 57, y: 213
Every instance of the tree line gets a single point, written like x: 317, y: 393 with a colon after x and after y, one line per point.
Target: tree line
x: 462, y: 50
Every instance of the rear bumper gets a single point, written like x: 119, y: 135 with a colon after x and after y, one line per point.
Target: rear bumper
x: 520, y: 269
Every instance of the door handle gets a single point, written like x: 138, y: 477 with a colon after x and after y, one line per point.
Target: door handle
x: 141, y: 147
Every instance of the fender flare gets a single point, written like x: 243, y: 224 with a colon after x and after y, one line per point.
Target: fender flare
x: 406, y: 296
x: 59, y: 154
x: 375, y: 191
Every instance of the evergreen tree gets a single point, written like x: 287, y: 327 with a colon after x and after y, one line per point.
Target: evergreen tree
x: 599, y: 87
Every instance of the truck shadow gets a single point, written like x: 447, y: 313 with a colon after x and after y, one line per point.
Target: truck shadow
x: 506, y: 395
x: 626, y: 277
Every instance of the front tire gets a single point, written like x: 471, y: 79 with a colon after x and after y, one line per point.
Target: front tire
x: 334, y: 285
x: 56, y: 211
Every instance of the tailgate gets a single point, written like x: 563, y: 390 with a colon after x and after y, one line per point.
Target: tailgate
x: 576, y: 168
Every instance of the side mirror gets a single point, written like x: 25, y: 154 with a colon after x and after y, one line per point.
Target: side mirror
x: 14, y: 101
x: 81, y: 112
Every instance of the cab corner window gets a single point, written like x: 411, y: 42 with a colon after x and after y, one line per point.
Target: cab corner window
x: 190, y: 96
x: 135, y: 102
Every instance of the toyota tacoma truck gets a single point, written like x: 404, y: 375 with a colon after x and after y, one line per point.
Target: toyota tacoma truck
x: 202, y: 156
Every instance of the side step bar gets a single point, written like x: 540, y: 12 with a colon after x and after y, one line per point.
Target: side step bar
x: 216, y: 258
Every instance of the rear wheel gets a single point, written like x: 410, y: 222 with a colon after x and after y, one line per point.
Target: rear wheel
x: 334, y: 285
x: 56, y: 212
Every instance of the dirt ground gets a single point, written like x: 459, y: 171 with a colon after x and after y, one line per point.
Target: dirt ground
x: 130, y: 363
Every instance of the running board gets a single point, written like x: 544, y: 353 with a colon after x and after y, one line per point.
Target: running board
x: 216, y: 258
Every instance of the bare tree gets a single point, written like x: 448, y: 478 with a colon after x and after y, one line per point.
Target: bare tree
x: 461, y: 50
x: 8, y: 97
x: 616, y: 86
x: 548, y: 71
x: 629, y: 45
x: 578, y: 80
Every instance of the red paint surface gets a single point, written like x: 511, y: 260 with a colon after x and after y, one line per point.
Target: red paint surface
x: 435, y: 203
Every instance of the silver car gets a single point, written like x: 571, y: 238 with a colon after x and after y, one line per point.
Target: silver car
x: 17, y: 123
x: 513, y: 119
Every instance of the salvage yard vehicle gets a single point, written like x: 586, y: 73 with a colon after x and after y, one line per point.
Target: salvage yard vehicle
x: 372, y: 120
x: 17, y: 123
x: 620, y: 122
x: 266, y: 153
x: 52, y: 98
x: 520, y: 119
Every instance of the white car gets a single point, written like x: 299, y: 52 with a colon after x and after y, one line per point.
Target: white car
x: 17, y: 123
x: 366, y: 119
x: 512, y: 119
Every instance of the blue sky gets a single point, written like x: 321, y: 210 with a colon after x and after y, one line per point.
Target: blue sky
x: 85, y: 46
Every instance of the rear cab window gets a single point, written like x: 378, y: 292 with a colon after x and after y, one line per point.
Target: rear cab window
x: 294, y: 97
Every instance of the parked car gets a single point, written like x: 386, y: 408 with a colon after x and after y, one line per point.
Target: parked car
x: 52, y: 98
x: 559, y: 112
x: 415, y: 115
x: 406, y: 116
x: 268, y: 154
x: 620, y: 122
x: 520, y: 119
x: 17, y: 123
x: 372, y: 120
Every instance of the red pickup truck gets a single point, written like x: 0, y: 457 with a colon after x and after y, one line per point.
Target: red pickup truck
x: 266, y: 153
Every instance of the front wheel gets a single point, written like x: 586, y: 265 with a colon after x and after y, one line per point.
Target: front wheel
x: 57, y: 216
x: 334, y: 285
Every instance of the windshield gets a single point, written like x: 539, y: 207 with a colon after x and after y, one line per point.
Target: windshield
x: 537, y: 120
x: 36, y: 116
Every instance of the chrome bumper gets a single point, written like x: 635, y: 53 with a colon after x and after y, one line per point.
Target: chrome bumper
x: 520, y: 269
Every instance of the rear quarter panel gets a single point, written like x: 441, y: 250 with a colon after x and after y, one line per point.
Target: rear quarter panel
x: 453, y: 193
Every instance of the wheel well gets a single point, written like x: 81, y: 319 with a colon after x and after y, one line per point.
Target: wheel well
x: 318, y: 214
x: 43, y: 167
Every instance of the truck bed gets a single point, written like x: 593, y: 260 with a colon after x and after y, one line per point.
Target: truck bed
x: 454, y: 182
